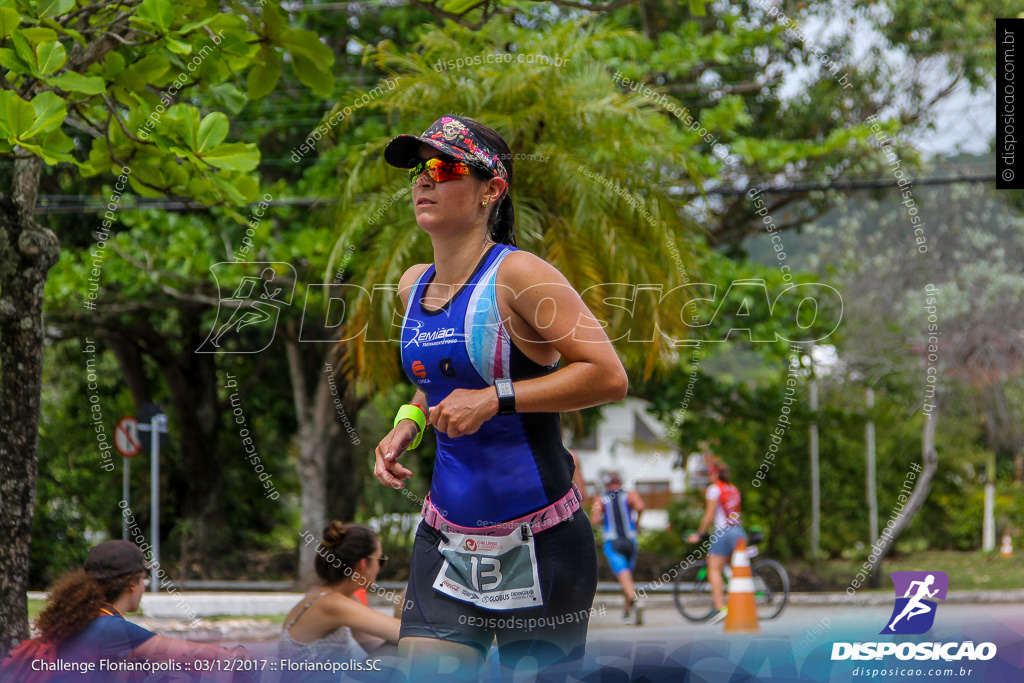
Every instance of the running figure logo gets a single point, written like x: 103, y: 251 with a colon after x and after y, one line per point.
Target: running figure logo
x: 253, y: 308
x: 914, y: 612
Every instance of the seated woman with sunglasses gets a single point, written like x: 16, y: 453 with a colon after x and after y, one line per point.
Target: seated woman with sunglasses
x: 504, y: 550
x: 329, y: 624
x: 84, y: 618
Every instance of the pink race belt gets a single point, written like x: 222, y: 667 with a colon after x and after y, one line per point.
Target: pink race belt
x: 545, y: 518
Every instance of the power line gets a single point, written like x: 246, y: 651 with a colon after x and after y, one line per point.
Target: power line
x: 56, y: 204
x: 876, y: 184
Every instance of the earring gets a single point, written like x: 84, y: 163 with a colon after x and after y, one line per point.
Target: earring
x: 483, y: 204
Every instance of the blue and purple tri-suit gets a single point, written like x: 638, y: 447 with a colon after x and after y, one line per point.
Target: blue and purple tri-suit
x: 512, y: 466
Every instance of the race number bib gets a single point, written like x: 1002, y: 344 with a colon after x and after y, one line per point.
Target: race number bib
x: 495, y: 573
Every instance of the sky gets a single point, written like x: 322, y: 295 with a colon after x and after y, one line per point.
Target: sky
x: 964, y: 122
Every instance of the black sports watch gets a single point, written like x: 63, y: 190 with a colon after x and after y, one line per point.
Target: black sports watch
x: 506, y: 396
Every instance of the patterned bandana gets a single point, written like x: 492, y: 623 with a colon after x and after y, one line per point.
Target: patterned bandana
x: 450, y: 136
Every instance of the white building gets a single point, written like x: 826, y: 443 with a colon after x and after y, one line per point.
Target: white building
x: 632, y: 442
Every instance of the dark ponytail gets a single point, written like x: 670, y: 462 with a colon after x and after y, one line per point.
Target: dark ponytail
x: 501, y: 223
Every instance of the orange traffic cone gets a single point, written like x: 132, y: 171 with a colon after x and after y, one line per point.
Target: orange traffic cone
x: 742, y: 614
x: 1007, y: 548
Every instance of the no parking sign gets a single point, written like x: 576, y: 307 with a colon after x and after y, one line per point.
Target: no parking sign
x: 126, y: 437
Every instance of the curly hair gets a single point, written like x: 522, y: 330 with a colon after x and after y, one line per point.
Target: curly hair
x: 75, y: 600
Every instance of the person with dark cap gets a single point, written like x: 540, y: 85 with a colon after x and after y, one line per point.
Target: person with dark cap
x: 620, y: 511
x: 84, y: 617
x: 503, y: 550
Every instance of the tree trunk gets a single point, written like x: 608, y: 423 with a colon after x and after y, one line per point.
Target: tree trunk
x: 318, y: 429
x: 905, y: 516
x: 27, y: 252
x: 192, y: 383
x: 133, y: 368
x: 350, y: 464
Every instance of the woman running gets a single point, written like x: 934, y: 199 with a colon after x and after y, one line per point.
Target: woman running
x: 504, y: 550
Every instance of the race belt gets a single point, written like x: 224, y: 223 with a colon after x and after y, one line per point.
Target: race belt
x: 545, y: 518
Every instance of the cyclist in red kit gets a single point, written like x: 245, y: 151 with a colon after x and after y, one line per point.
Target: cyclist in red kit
x: 722, y: 508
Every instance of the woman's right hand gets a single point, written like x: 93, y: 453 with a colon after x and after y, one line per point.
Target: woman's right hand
x: 387, y: 469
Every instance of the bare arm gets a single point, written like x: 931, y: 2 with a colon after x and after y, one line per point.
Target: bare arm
x: 363, y: 619
x: 549, y: 320
x: 637, y: 504
x: 597, y: 511
x: 547, y: 314
x: 386, y: 467
x: 706, y: 521
x: 577, y: 475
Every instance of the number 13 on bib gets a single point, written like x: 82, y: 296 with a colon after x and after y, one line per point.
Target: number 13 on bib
x: 497, y: 573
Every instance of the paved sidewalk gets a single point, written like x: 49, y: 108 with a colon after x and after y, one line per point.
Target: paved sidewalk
x: 250, y: 616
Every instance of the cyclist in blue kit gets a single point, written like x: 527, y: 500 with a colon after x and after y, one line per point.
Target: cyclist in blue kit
x: 504, y: 551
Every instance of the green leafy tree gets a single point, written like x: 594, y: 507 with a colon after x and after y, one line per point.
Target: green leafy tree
x: 749, y: 366
x: 158, y: 302
x: 369, y: 238
x: 799, y: 80
x: 150, y: 318
x: 96, y: 86
x: 594, y: 171
x: 474, y: 14
x: 939, y: 319
x: 637, y: 183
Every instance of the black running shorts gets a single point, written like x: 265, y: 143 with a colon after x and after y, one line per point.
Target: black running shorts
x: 554, y: 632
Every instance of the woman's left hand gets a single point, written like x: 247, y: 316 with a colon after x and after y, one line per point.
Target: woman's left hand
x: 463, y: 411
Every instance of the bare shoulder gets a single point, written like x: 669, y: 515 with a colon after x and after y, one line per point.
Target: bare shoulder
x: 408, y: 279
x: 521, y: 269
x: 410, y: 276
x: 340, y: 607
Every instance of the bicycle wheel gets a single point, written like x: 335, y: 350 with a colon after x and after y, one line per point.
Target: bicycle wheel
x: 692, y: 593
x: 771, y: 588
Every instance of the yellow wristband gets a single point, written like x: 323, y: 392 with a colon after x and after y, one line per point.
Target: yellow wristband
x: 414, y: 413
